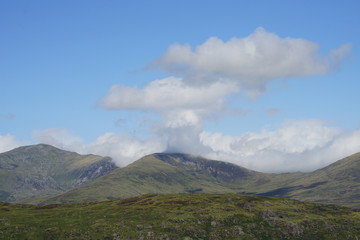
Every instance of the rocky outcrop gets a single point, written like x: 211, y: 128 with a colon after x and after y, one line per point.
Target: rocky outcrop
x: 95, y: 170
x: 218, y: 169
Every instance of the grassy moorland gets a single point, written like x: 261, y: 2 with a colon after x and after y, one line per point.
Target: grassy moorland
x: 181, y: 216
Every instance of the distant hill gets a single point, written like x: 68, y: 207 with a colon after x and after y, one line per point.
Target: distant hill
x: 182, y: 173
x: 337, y: 183
x: 42, y: 174
x: 149, y: 174
x: 181, y: 216
x: 42, y: 170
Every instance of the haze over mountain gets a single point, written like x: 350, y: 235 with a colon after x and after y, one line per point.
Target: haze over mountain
x: 42, y: 170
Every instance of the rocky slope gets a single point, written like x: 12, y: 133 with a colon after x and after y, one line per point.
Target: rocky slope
x: 42, y: 170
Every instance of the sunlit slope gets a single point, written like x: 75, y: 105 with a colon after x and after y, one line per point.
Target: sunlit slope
x: 173, y: 173
x: 42, y: 170
x: 337, y: 183
x: 182, y: 173
x: 147, y: 175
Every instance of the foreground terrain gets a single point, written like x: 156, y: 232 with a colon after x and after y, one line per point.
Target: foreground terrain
x: 181, y: 216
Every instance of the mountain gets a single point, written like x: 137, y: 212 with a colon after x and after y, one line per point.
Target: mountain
x: 173, y: 173
x: 181, y: 216
x: 42, y: 170
x: 337, y: 183
x: 149, y: 174
x: 181, y: 173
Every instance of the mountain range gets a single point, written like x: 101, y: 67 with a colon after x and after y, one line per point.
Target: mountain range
x: 338, y: 183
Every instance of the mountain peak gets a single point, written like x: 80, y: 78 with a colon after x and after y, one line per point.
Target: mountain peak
x: 224, y: 170
x: 37, y: 170
x: 37, y: 147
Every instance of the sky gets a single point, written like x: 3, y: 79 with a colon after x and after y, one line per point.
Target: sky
x: 272, y: 86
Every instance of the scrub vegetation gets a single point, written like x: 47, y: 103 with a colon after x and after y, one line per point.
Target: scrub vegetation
x: 181, y: 216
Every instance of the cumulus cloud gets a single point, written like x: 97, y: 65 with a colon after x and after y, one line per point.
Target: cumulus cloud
x: 252, y: 61
x: 302, y: 145
x: 123, y: 149
x: 182, y: 107
x: 180, y: 104
x: 9, y: 142
x: 206, y: 75
x: 297, y: 146
x: 167, y: 93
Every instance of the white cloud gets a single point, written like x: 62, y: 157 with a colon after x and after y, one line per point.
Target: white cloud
x: 122, y: 149
x: 252, y: 61
x: 209, y: 74
x: 180, y: 104
x: 184, y: 139
x: 165, y: 94
x: 9, y: 142
x: 297, y: 146
x: 302, y: 145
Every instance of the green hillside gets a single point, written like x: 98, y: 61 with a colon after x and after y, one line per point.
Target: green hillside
x: 42, y: 170
x: 147, y: 175
x: 337, y: 183
x: 181, y: 216
x: 182, y: 173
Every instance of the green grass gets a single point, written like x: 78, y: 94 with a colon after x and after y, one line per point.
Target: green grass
x: 177, y: 216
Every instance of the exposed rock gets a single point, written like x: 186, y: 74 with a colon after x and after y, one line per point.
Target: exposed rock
x: 95, y: 170
x: 238, y: 230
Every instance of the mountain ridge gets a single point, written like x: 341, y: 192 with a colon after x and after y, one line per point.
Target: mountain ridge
x: 337, y: 183
x: 184, y: 173
x: 38, y: 170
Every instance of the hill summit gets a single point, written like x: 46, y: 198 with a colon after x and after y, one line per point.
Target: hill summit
x: 43, y: 170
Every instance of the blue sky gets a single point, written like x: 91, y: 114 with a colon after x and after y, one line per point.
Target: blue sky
x: 93, y: 77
